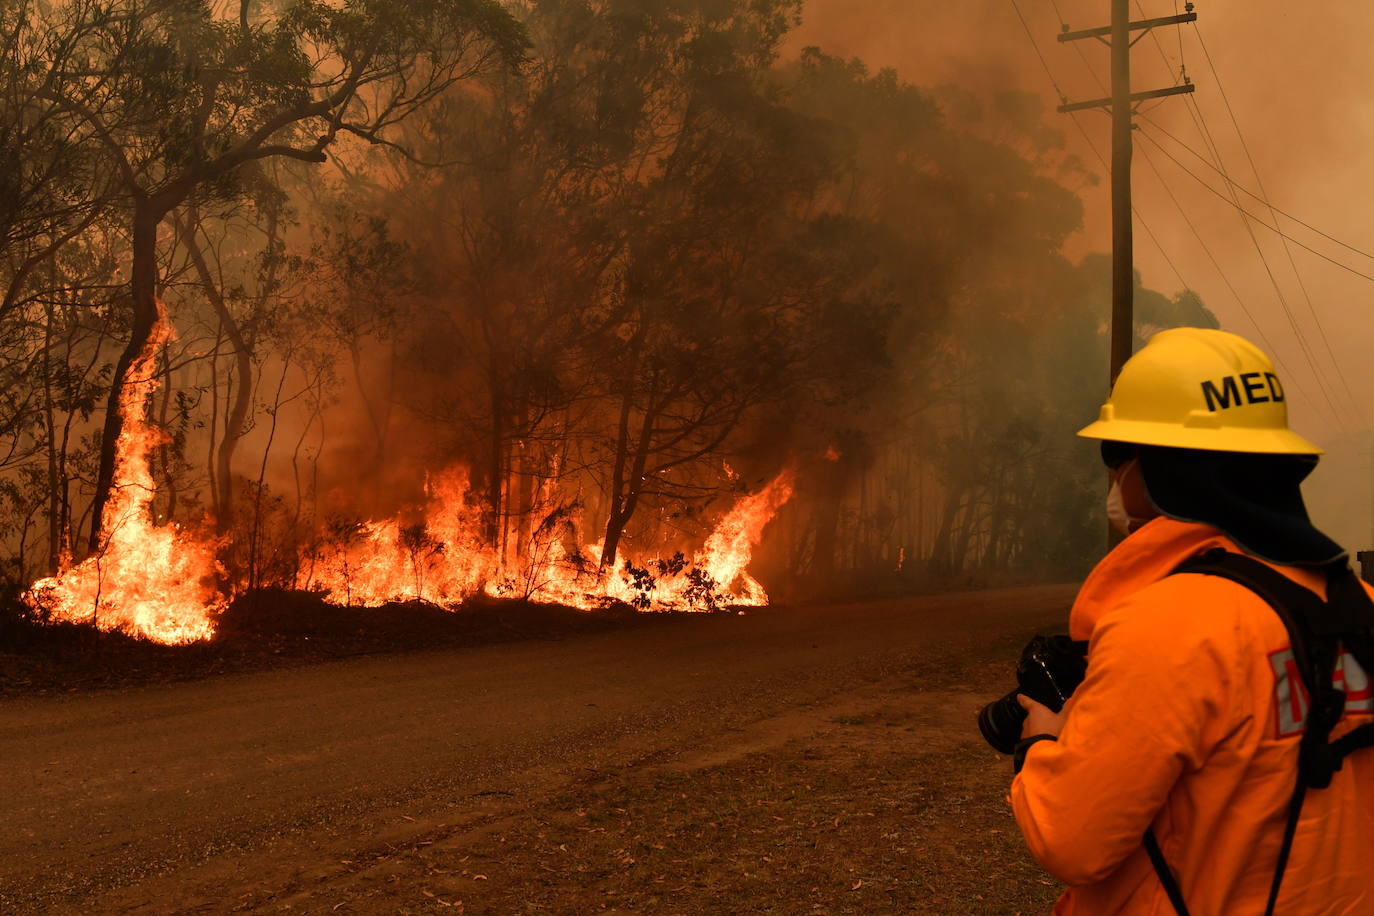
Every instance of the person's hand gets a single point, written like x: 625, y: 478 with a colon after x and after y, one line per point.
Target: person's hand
x: 1040, y: 719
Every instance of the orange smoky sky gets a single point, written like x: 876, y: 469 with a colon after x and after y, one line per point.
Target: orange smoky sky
x: 1299, y: 81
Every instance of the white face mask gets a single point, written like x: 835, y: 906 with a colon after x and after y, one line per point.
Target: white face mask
x: 1121, y: 520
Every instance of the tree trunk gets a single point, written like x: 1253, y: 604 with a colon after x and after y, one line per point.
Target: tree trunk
x: 941, y: 551
x: 70, y: 533
x: 959, y: 555
x: 143, y: 293
x: 629, y: 486
x: 255, y: 537
x: 55, y: 529
x: 495, y: 457
x: 242, y: 381
x: 610, y: 543
x: 213, y: 429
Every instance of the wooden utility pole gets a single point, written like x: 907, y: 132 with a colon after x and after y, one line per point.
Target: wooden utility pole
x: 1123, y: 229
x: 1121, y: 104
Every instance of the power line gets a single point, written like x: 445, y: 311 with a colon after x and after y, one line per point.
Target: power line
x: 1251, y: 194
x: 1240, y: 300
x: 1143, y: 225
x: 1259, y: 183
x: 1036, y: 45
x: 1174, y: 159
x: 1195, y: 115
x: 1030, y: 36
x: 1181, y: 75
x: 1087, y: 65
x: 1200, y: 121
x: 1245, y: 213
x: 1049, y: 73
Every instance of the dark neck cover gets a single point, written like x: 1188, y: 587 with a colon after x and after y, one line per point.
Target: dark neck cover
x: 1254, y: 499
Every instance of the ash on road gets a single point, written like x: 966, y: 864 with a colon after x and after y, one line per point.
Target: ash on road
x: 688, y: 767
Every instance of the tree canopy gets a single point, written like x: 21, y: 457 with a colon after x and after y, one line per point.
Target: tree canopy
x: 621, y: 259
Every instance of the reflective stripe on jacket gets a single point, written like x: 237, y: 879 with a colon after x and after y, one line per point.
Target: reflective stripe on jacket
x: 1185, y: 722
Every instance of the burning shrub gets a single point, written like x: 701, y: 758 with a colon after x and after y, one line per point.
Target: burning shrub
x: 642, y: 584
x: 701, y: 590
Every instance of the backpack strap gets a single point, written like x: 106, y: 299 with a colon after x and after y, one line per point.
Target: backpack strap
x: 1354, y: 611
x: 1316, y: 631
x: 1295, y: 606
x: 1165, y: 873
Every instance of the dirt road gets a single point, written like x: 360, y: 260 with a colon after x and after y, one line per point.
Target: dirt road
x: 283, y: 791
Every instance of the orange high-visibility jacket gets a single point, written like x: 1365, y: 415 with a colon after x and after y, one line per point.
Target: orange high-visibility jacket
x: 1188, y: 721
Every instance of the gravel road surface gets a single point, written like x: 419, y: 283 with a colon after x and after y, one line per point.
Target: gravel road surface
x: 200, y: 797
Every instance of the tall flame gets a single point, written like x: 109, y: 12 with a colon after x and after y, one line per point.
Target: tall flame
x: 730, y: 547
x: 147, y: 579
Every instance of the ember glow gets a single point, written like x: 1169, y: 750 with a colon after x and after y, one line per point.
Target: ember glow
x: 156, y: 581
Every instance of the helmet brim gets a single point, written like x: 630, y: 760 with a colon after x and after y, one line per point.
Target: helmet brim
x: 1229, y: 439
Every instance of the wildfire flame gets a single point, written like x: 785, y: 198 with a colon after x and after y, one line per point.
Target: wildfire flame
x: 153, y: 580
x: 730, y: 547
x: 444, y: 560
x: 159, y: 581
x: 441, y: 559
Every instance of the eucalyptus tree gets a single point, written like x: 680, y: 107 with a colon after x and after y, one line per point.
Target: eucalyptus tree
x: 630, y: 266
x: 183, y: 95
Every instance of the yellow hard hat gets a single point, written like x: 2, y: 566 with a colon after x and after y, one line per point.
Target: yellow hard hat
x: 1200, y: 388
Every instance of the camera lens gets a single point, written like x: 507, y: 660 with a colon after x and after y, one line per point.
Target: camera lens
x: 1000, y: 722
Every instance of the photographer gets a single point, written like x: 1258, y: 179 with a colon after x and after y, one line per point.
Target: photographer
x: 1168, y: 781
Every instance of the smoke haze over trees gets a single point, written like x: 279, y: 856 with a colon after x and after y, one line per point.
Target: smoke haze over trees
x: 622, y: 260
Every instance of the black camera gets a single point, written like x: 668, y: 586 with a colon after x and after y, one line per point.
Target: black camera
x: 1050, y: 670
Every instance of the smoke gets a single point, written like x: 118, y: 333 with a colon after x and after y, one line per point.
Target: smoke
x: 1295, y: 82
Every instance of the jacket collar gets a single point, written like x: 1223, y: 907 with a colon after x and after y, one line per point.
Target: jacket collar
x: 1146, y: 556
